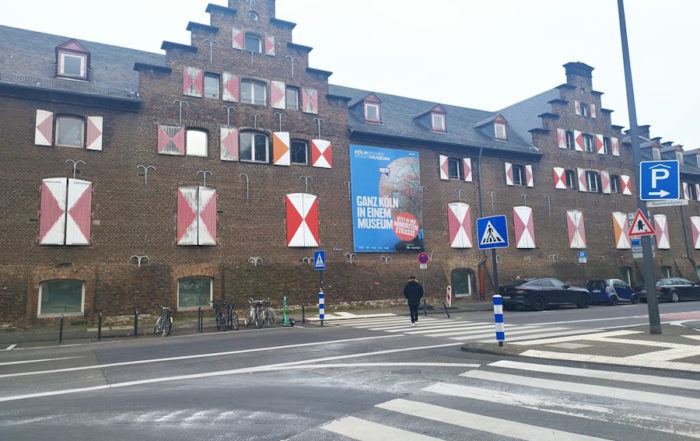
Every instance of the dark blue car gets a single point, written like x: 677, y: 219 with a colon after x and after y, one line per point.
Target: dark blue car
x: 611, y: 291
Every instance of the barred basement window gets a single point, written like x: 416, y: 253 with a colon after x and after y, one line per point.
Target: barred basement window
x: 194, y: 292
x: 65, y: 297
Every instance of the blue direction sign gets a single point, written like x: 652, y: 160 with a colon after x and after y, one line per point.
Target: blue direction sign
x: 492, y: 232
x: 659, y: 180
x: 319, y: 260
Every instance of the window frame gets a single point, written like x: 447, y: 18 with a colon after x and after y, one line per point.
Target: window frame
x: 252, y: 83
x: 368, y: 105
x: 254, y: 134
x: 295, y: 101
x: 439, y: 117
x: 520, y: 180
x: 58, y: 126
x: 249, y: 35
x: 607, y: 146
x: 61, y: 72
x: 692, y: 194
x: 467, y: 274
x: 42, y: 285
x: 210, y: 77
x: 570, y: 141
x: 655, y: 154
x: 570, y: 179
x: 297, y: 142
x: 502, y: 126
x: 195, y: 130
x: 585, y: 109
x: 615, y: 184
x: 211, y: 292
x: 588, y: 143
x: 454, y: 164
x: 593, y: 179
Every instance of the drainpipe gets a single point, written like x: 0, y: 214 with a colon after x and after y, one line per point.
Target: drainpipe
x: 685, y: 240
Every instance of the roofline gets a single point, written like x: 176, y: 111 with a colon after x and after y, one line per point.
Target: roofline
x: 223, y: 9
x: 299, y: 47
x: 202, y: 27
x: 71, y: 97
x: 154, y: 67
x: 323, y: 73
x: 185, y: 47
x: 282, y: 23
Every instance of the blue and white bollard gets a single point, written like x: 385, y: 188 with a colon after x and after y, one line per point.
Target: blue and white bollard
x: 321, y: 306
x: 498, y: 319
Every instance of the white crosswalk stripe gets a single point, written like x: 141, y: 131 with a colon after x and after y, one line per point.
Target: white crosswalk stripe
x: 535, y: 403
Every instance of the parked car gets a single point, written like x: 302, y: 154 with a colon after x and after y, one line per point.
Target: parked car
x: 673, y: 289
x: 611, y: 291
x: 542, y: 292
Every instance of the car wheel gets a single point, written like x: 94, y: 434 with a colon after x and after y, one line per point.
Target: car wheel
x: 674, y: 297
x: 613, y: 300
x: 538, y: 304
x: 582, y: 302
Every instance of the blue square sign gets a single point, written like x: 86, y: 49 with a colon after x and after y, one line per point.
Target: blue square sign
x: 492, y: 232
x: 659, y: 180
x: 319, y: 260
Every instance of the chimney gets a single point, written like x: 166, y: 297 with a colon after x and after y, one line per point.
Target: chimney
x: 579, y: 74
x: 644, y: 131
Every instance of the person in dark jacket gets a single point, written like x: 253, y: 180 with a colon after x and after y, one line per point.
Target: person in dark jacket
x: 413, y: 292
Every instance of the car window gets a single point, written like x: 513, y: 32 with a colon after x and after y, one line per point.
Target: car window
x: 620, y: 285
x: 595, y: 284
x: 684, y: 282
x: 555, y: 283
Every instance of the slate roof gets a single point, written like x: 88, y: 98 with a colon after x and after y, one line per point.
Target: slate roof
x: 398, y: 115
x: 524, y: 116
x: 28, y: 59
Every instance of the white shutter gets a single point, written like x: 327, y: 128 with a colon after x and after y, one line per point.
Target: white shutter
x: 94, y: 133
x: 43, y: 133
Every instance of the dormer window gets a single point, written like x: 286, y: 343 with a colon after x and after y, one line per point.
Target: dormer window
x: 372, y: 109
x: 72, y: 60
x: 655, y: 153
x: 438, y: 122
x: 679, y: 157
x: 499, y: 130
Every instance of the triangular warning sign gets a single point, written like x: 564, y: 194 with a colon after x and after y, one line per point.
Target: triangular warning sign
x: 640, y: 226
x: 491, y: 236
x: 319, y: 261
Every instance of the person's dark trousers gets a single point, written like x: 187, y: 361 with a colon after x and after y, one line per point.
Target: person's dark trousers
x: 414, y: 313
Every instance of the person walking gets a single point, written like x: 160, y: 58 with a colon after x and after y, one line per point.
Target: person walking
x: 413, y: 291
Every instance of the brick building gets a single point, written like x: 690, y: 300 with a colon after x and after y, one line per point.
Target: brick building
x: 216, y: 169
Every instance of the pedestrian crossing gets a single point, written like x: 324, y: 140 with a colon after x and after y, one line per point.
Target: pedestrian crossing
x: 530, y: 401
x: 459, y: 330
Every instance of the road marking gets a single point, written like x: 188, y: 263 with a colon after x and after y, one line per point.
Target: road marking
x: 625, y: 361
x: 593, y: 336
x: 363, y: 430
x: 42, y: 360
x: 548, y: 334
x: 11, y: 347
x: 480, y: 422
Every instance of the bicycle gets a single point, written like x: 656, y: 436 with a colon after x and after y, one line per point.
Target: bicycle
x: 255, y: 313
x: 269, y: 315
x: 164, y: 323
x: 226, y: 316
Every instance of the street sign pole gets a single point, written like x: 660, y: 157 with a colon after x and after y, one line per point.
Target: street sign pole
x: 652, y: 300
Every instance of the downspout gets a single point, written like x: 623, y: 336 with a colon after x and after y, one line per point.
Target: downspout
x: 482, y: 262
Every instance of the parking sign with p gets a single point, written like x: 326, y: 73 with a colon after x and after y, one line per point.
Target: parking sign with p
x: 659, y: 180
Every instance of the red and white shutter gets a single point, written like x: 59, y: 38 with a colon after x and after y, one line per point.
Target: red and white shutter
x: 280, y: 148
x: 444, y: 168
x: 94, y: 133
x: 270, y: 45
x: 581, y: 173
x: 661, y: 230
x: 524, y: 227
x: 237, y: 35
x: 277, y: 94
x: 43, y: 133
x: 695, y: 230
x: 577, y: 107
x: 615, y: 146
x: 229, y: 144
x: 309, y: 100
x: 171, y: 140
x: 593, y: 114
x: 79, y: 212
x: 302, y: 220
x: 509, y: 173
x: 686, y: 193
x: 620, y: 229
x: 561, y: 138
x: 605, y: 182
x: 467, y: 166
x: 187, y: 216
x: 559, y: 176
x: 578, y: 141
x: 599, y: 144
x: 575, y: 227
x: 626, y: 185
x: 697, y: 192
x: 192, y: 81
x: 206, y: 213
x: 231, y: 87
x: 321, y: 153
x: 528, y: 176
x: 52, y: 217
x: 459, y: 225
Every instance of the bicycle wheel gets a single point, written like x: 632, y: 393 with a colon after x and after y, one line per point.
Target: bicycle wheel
x: 272, y: 316
x: 219, y: 320
x: 259, y: 319
x: 229, y: 318
x: 167, y: 326
x: 157, y: 328
x: 234, y: 322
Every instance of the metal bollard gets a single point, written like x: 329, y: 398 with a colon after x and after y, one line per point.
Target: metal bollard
x: 445, y: 306
x: 321, y: 306
x: 303, y: 317
x: 136, y: 322
x: 99, y: 325
x: 60, y: 331
x: 498, y: 318
x: 200, y: 325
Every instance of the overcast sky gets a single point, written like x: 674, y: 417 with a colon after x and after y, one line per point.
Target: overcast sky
x: 482, y: 54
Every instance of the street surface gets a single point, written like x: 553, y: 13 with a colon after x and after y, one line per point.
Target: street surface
x: 365, y: 379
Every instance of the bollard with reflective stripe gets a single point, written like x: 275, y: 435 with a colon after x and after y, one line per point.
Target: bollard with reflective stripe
x: 498, y: 318
x: 321, y: 306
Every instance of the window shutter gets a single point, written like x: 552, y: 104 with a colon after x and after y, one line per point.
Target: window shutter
x: 626, y: 185
x: 695, y: 230
x: 620, y: 228
x: 599, y: 144
x: 459, y: 225
x: 231, y: 87
x: 237, y: 35
x: 697, y: 192
x: 605, y: 182
x: 94, y: 133
x: 206, y: 211
x: 302, y: 220
x: 582, y: 186
x: 528, y: 176
x: 321, y: 153
x: 561, y: 138
x: 171, y: 140
x: 79, y: 212
x: 192, y: 81
x: 277, y: 94
x: 686, y: 193
x: 577, y: 107
x: 578, y: 141
x: 467, y: 166
x: 52, y: 214
x: 229, y: 144
x: 661, y: 230
x: 575, y: 227
x: 187, y: 215
x: 444, y: 168
x: 280, y: 148
x: 43, y: 133
x: 615, y: 146
x: 593, y: 114
x: 509, y: 173
x: 559, y: 177
x: 270, y: 45
x: 309, y: 100
x: 524, y: 227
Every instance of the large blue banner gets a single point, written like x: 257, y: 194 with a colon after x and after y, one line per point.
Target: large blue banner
x: 387, y: 200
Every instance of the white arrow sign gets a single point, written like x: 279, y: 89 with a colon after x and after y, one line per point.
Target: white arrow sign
x: 660, y: 193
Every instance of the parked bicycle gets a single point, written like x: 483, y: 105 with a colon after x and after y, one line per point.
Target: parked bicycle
x: 255, y: 313
x: 269, y: 316
x: 164, y: 323
x: 226, y: 316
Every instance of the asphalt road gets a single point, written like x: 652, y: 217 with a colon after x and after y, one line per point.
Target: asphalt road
x: 336, y: 383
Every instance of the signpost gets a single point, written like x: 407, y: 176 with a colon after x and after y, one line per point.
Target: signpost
x: 423, y: 264
x: 492, y: 233
x: 320, y: 265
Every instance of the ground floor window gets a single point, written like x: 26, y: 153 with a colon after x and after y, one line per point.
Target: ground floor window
x: 666, y: 271
x: 462, y: 282
x: 194, y: 292
x: 61, y: 297
x: 626, y: 273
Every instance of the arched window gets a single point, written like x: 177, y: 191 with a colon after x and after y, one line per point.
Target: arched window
x: 462, y: 281
x: 254, y: 147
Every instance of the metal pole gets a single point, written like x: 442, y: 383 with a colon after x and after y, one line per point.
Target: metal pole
x: 199, y: 319
x: 494, y: 262
x: 60, y: 331
x: 652, y: 300
x: 303, y: 316
x: 136, y: 322
x: 99, y: 325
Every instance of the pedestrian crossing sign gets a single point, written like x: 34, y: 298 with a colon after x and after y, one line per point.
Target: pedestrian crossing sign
x: 492, y: 232
x: 640, y: 226
x: 319, y: 260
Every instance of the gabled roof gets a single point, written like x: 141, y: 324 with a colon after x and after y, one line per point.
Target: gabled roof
x: 524, y: 116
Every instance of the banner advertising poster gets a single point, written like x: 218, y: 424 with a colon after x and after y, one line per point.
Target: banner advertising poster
x: 387, y: 200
